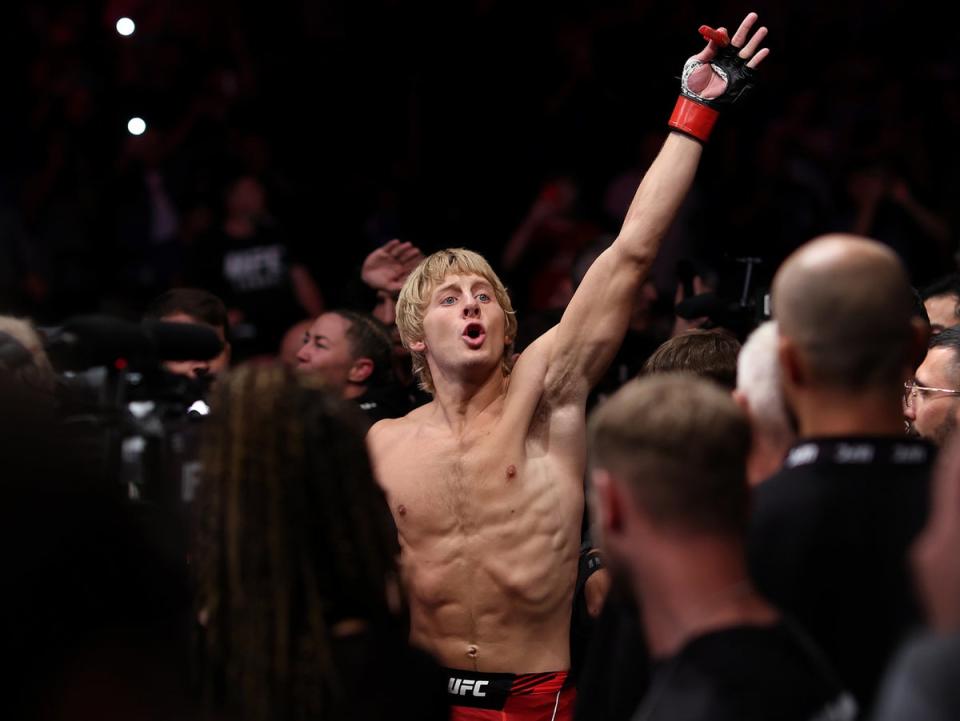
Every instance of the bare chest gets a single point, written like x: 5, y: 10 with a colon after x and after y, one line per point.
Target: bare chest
x: 440, y: 484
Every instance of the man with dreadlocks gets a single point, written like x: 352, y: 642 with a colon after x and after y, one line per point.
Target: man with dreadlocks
x: 486, y: 482
x: 295, y: 552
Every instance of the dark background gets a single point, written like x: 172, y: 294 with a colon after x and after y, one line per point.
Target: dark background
x: 441, y: 123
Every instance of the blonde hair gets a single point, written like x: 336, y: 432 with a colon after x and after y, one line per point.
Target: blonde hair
x: 415, y: 295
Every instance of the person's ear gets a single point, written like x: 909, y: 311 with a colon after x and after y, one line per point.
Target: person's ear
x: 741, y: 400
x: 360, y: 371
x: 791, y: 364
x: 418, y: 346
x: 609, y: 510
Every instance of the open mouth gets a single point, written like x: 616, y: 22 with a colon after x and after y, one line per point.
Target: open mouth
x: 474, y: 334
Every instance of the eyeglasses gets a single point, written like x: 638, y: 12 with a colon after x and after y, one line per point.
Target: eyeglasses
x: 911, y: 390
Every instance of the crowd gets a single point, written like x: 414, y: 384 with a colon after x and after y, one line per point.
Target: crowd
x: 283, y: 481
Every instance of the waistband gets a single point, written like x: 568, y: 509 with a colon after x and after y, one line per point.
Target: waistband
x: 491, y: 690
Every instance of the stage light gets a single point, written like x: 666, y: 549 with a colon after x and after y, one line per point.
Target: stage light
x: 136, y: 126
x: 126, y: 26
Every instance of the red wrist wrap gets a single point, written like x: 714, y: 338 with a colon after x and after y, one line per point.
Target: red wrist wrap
x: 693, y: 118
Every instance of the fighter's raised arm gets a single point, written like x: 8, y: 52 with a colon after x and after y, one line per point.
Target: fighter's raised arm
x: 593, y: 326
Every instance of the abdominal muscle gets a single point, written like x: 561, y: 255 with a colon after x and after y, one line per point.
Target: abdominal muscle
x: 491, y: 590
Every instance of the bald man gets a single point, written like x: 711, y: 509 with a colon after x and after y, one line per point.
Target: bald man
x: 830, y: 532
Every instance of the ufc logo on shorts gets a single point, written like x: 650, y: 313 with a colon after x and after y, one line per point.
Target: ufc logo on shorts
x: 460, y: 687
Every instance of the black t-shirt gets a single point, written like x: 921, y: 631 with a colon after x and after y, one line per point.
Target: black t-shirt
x: 251, y: 275
x: 921, y: 685
x: 828, y: 544
x: 388, y: 401
x: 615, y: 669
x: 746, y: 673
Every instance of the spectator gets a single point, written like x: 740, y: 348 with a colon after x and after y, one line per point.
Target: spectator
x: 350, y: 352
x: 830, y: 531
x: 94, y: 606
x: 670, y: 499
x: 707, y: 353
x: 760, y: 393
x: 942, y: 301
x: 297, y: 584
x: 198, y: 307
x: 384, y: 271
x: 250, y: 264
x: 609, y: 687
x: 930, y: 397
x: 922, y: 683
x: 292, y: 343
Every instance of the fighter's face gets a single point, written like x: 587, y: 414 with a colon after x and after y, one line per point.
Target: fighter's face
x: 463, y: 325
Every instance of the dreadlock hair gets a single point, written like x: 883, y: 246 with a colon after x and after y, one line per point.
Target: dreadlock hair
x: 293, y: 535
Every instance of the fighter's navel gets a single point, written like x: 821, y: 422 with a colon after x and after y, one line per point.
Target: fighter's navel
x: 472, y: 651
x: 511, y: 472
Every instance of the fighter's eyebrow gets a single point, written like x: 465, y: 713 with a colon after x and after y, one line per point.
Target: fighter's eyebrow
x: 444, y: 288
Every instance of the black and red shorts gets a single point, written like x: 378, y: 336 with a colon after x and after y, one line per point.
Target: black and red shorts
x: 509, y: 697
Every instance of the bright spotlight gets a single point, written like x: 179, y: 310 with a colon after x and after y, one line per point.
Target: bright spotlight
x: 136, y: 126
x: 126, y: 26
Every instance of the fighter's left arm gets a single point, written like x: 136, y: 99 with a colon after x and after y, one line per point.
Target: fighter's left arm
x: 595, y: 321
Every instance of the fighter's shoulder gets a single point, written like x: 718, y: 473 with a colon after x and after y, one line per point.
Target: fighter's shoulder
x: 390, y: 430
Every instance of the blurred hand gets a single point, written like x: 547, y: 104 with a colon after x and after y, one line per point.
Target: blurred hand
x: 595, y: 591
x: 388, y: 266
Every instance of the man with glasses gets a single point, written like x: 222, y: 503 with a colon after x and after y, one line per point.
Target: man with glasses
x: 931, y: 397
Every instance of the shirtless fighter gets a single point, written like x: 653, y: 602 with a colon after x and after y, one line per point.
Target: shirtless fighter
x: 486, y: 481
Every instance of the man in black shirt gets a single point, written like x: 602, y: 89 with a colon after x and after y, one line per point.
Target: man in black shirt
x: 670, y: 496
x: 830, y: 532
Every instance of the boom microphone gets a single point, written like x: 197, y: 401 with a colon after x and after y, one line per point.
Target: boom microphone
x: 97, y: 340
x: 183, y: 341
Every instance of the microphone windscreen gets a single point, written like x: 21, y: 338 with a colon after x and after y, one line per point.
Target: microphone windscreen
x: 183, y: 341
x: 95, y: 340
